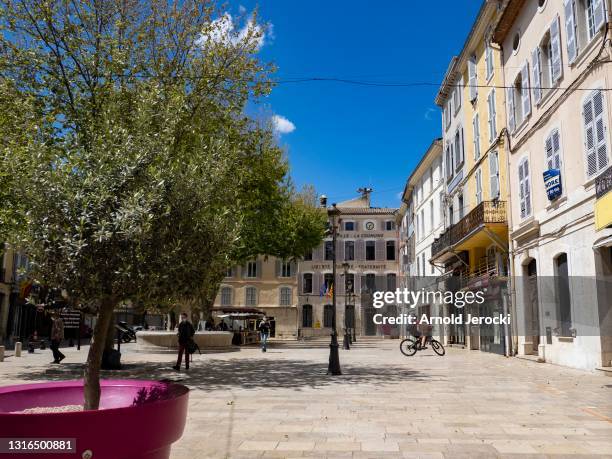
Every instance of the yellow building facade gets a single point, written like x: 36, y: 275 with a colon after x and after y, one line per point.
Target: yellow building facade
x: 473, y: 248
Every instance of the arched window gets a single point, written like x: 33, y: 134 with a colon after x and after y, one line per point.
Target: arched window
x: 251, y: 296
x: 226, y: 296
x: 328, y: 312
x: 307, y: 316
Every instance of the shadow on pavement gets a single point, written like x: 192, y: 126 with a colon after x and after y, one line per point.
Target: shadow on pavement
x: 214, y: 374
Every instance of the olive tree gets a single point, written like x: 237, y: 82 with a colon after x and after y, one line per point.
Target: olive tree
x: 139, y: 174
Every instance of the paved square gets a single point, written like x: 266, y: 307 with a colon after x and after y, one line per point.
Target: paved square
x: 248, y: 404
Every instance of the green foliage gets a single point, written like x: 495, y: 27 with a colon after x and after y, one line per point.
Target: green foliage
x: 129, y: 169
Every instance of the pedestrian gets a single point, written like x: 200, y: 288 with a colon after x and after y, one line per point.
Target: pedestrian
x: 264, y: 333
x: 57, y: 336
x: 185, y: 335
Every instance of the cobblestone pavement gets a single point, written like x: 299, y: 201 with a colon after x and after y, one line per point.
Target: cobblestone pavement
x: 249, y: 404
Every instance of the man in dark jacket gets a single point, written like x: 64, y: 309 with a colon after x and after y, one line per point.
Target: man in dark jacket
x: 185, y: 335
x: 264, y: 333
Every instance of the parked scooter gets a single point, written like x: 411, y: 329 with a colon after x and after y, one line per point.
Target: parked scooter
x: 127, y: 333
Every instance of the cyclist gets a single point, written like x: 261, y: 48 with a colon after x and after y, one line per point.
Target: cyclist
x: 424, y: 333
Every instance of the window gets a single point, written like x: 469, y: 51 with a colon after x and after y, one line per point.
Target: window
x: 588, y: 18
x: 285, y: 296
x: 571, y: 30
x: 328, y: 283
x: 251, y: 296
x: 370, y: 250
x: 458, y: 148
x: 349, y: 226
x: 431, y: 215
x: 563, y: 298
x: 422, y: 223
x: 307, y: 283
x: 494, y: 174
x: 489, y: 59
x: 478, y: 177
x: 516, y: 42
x: 447, y: 114
x: 329, y: 250
x: 307, y: 316
x: 416, y: 227
x: 226, y: 296
x: 328, y: 315
x: 519, y: 102
x: 552, y: 146
x: 349, y: 283
x: 391, y: 282
x: 229, y: 272
x: 308, y: 256
x: 370, y: 283
x: 476, y: 133
x: 492, y: 113
x: 251, y: 269
x: 596, y: 148
x: 390, y: 250
x: 524, y: 188
x: 449, y: 162
x: 461, y: 206
x: 285, y: 269
x: 473, y: 79
x: 389, y: 225
x: 451, y: 215
x: 349, y: 250
x: 457, y: 98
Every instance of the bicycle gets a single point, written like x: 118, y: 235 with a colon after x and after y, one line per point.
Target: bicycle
x: 410, y: 346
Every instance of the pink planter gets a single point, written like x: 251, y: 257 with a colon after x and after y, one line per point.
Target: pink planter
x: 119, y: 430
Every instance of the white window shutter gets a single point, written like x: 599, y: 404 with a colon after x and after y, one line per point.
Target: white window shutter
x: 570, y: 30
x: 549, y: 152
x: 510, y: 101
x: 472, y: 79
x: 599, y: 13
x: 589, y: 136
x: 600, y: 130
x: 525, y: 90
x: 476, y: 133
x: 555, y: 43
x: 556, y: 145
x: 492, y: 127
x: 494, y: 172
x: 527, y: 188
x: 537, y: 80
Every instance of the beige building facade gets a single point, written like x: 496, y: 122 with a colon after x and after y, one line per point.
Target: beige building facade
x: 367, y: 260
x: 268, y: 284
x: 559, y: 117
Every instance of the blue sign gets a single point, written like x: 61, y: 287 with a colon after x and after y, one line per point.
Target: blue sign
x: 552, y: 183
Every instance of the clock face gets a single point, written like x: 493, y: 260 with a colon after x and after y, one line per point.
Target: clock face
x: 369, y: 226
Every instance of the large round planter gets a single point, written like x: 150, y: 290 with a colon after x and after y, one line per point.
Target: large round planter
x: 120, y: 429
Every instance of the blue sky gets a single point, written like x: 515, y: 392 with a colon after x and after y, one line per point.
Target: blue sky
x: 350, y: 136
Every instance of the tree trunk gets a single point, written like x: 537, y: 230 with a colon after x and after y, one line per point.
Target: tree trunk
x: 94, y: 358
x: 111, y: 333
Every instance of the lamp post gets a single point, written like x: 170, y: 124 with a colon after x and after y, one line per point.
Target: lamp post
x: 347, y: 337
x: 334, y: 357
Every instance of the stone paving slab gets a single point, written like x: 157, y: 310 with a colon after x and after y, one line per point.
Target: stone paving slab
x: 281, y: 404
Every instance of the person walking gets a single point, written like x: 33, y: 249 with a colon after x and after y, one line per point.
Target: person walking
x: 185, y: 335
x: 57, y: 336
x: 264, y: 333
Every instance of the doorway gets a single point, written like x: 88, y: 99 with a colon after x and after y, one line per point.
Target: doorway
x: 532, y: 310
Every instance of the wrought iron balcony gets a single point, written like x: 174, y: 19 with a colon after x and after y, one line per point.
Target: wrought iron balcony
x: 483, y: 213
x: 603, y: 183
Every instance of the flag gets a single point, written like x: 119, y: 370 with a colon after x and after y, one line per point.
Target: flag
x: 330, y: 291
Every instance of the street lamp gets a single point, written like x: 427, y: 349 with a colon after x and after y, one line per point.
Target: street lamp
x: 347, y: 337
x: 334, y: 357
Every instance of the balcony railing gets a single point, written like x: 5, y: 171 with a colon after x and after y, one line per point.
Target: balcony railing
x: 485, y: 212
x: 603, y: 183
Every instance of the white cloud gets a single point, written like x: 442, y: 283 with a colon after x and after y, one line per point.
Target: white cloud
x: 429, y: 113
x: 223, y: 30
x: 282, y: 125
